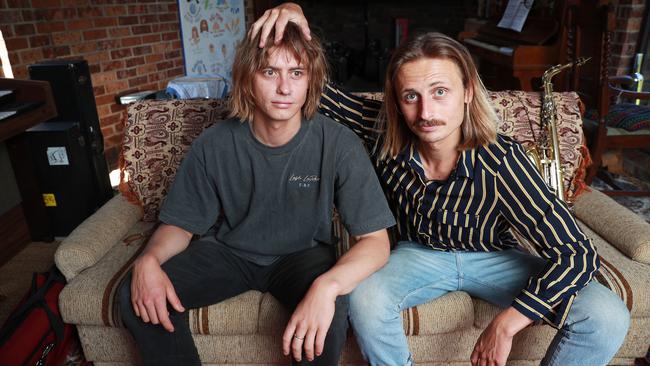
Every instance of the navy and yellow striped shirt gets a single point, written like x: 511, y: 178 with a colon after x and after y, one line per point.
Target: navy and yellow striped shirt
x: 493, y: 191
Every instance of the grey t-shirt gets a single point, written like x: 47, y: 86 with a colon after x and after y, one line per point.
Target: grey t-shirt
x: 263, y: 202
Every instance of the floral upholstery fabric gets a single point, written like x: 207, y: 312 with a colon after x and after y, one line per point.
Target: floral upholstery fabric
x: 158, y: 133
x: 519, y: 110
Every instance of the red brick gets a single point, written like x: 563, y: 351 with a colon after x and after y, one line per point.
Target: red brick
x: 106, y: 130
x: 137, y: 81
x: 134, y: 61
x: 103, y: 110
x: 121, y: 53
x: 55, y: 14
x: 28, y: 15
x: 115, y: 108
x: 128, y: 20
x: 153, y: 58
x: 112, y: 65
x: 141, y: 29
x: 31, y: 55
x: 69, y: 38
x: 80, y: 24
x: 172, y: 8
x: 170, y: 36
x: 119, y: 32
x: 103, y: 100
x: 168, y: 17
x: 151, y: 38
x: 57, y: 51
x: 131, y: 41
x: 115, y: 10
x: 93, y: 68
x: 9, y: 16
x: 95, y: 34
x: 90, y: 12
x: 178, y: 62
x: 105, y: 22
x: 14, y: 44
x: 39, y: 41
x: 114, y: 121
x: 149, y: 18
x: 165, y: 65
x: 173, y: 54
x: 25, y: 29
x: 78, y: 2
x: 83, y: 48
x: 156, y: 76
x: 99, y: 90
x: 125, y: 74
x: 97, y: 57
x: 108, y: 44
x: 175, y: 72
x: 137, y: 9
x: 146, y: 69
x: 46, y: 3
x: 18, y: 3
x: 142, y: 50
x: 156, y: 8
x: 6, y: 30
x: 102, y: 78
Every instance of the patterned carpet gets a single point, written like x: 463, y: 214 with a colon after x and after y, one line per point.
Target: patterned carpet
x: 639, y: 205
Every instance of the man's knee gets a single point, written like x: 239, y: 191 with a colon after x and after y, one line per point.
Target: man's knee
x: 603, y: 312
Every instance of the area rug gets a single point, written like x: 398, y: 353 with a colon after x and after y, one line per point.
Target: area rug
x: 638, y: 205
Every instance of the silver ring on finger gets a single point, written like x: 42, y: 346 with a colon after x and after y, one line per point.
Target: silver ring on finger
x: 295, y: 336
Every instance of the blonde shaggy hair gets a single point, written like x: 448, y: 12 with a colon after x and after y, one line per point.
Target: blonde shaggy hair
x: 479, y: 124
x: 250, y: 59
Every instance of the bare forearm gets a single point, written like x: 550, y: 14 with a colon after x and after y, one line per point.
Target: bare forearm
x: 166, y: 242
x: 368, y: 255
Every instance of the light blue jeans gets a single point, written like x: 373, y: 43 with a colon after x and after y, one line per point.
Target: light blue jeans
x: 593, y: 331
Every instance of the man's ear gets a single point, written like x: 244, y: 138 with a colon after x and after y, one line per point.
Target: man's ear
x: 469, y: 94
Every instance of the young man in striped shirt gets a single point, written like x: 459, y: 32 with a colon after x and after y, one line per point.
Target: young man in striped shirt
x: 457, y: 188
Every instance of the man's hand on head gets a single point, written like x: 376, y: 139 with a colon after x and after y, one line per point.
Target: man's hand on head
x: 310, y: 321
x: 150, y: 291
x: 493, y: 346
x: 278, y: 18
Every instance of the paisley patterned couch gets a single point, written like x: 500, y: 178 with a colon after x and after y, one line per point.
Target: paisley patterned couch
x: 247, y: 329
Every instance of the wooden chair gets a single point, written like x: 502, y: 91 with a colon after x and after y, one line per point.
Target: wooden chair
x: 593, y: 27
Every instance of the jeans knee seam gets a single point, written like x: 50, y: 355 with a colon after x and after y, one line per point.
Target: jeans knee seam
x: 401, y: 302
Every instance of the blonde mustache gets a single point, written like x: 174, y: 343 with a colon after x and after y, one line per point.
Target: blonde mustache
x: 429, y: 123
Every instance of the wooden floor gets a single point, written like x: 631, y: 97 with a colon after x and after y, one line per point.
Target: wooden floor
x: 16, y: 275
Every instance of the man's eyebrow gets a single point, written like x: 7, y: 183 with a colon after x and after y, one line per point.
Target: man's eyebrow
x: 435, y: 83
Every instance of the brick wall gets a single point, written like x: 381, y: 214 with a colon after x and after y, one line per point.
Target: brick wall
x: 629, y: 20
x: 129, y: 47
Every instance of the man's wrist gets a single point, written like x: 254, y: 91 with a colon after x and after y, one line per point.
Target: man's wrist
x: 147, y: 258
x: 328, y: 286
x: 511, y: 321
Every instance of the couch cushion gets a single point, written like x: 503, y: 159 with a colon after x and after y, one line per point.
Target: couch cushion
x: 157, y: 135
x: 248, y: 313
x: 519, y: 111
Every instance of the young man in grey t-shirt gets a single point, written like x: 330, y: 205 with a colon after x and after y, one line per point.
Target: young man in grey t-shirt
x: 259, y: 191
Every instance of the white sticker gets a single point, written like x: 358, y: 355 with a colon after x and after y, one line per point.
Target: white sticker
x: 57, y: 155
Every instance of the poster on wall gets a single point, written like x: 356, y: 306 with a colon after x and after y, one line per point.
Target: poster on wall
x: 211, y: 29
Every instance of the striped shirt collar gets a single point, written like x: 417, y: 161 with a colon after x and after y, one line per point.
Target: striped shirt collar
x: 464, y: 166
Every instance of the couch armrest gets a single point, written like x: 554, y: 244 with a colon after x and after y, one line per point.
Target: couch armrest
x: 621, y: 227
x: 95, y: 236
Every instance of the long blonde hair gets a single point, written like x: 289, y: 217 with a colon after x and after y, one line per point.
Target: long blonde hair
x: 479, y: 124
x: 249, y: 59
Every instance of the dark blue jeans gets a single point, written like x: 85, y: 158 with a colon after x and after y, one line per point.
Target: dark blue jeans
x: 206, y: 274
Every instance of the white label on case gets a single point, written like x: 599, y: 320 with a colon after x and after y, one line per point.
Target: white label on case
x: 57, y: 155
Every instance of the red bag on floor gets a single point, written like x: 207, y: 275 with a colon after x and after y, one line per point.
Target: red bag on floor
x: 34, y: 333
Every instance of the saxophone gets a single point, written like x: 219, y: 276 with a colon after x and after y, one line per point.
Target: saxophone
x: 545, y: 154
